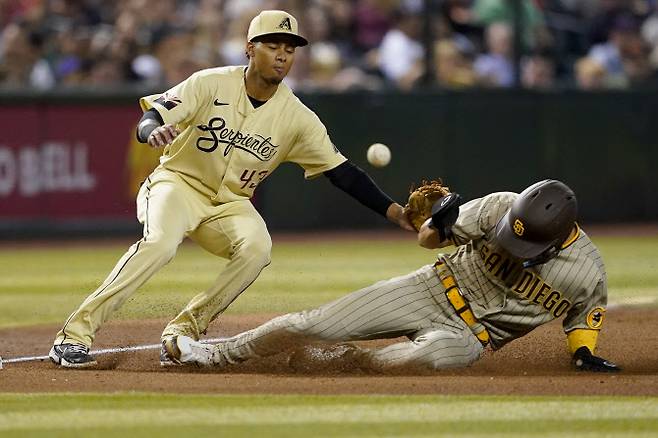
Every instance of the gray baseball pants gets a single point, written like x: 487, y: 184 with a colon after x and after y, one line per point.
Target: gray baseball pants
x: 413, y: 305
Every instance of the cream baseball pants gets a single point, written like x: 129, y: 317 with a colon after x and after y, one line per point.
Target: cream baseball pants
x: 170, y: 210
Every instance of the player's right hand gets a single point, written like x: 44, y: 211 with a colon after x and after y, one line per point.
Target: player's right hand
x: 395, y: 213
x: 162, y: 136
x: 584, y: 360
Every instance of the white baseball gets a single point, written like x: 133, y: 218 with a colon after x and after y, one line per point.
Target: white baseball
x: 378, y: 155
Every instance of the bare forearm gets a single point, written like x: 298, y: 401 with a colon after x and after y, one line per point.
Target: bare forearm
x: 428, y: 237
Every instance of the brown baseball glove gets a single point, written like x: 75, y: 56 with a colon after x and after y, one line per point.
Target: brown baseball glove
x: 421, y: 200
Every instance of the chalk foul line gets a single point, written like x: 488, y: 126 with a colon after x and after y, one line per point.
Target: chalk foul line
x: 104, y: 351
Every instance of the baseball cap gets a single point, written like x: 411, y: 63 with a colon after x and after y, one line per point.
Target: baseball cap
x: 540, y: 218
x: 275, y: 22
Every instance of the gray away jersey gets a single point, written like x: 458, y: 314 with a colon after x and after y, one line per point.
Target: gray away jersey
x: 511, y: 301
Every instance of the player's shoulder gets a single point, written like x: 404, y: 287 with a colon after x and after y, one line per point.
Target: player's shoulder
x: 303, y: 117
x: 485, y: 212
x: 497, y: 203
x: 579, y: 240
x: 582, y: 248
x: 582, y: 242
x: 232, y: 72
x: 296, y: 104
x: 504, y: 198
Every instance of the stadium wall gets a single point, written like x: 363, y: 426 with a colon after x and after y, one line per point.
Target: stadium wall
x: 69, y: 163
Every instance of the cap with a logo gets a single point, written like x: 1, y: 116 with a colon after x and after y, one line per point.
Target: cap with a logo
x: 275, y: 22
x: 542, y: 217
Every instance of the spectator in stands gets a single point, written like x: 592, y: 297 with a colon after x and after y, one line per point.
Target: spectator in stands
x: 640, y: 73
x: 231, y: 49
x: 538, y: 72
x: 590, y: 75
x: 625, y: 56
x: 326, y: 72
x: 608, y: 53
x: 208, y: 21
x: 47, y: 43
x: 606, y: 15
x: 69, y: 61
x: 489, y: 12
x: 105, y: 72
x: 459, y: 17
x: 373, y: 19
x: 650, y: 35
x: 401, y: 54
x: 21, y: 54
x: 179, y: 57
x: 342, y: 28
x: 495, y: 68
x: 453, y: 64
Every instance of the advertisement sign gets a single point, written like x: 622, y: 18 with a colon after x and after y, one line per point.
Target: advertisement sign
x: 71, y: 161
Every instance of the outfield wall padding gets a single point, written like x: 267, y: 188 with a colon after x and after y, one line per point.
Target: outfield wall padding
x: 70, y: 162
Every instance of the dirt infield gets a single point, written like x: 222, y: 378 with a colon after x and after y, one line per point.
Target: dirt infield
x: 535, y: 365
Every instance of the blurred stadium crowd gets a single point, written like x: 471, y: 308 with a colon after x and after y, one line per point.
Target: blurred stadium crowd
x: 355, y: 44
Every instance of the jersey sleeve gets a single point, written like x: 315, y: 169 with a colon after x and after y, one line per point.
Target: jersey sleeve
x: 585, y: 318
x: 178, y: 104
x: 313, y: 149
x: 479, y: 216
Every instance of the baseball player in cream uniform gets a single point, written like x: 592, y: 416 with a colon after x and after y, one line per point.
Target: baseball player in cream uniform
x: 224, y: 130
x: 521, y: 261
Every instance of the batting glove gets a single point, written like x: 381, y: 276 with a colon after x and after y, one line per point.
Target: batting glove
x: 584, y: 360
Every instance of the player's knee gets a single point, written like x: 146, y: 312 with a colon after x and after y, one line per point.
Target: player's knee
x: 441, y: 362
x: 299, y: 322
x: 257, y: 248
x: 454, y: 352
x: 167, y: 253
x: 301, y: 325
x: 290, y: 322
x: 165, y: 248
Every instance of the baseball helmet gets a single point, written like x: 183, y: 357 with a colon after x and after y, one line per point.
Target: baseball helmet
x: 540, y: 219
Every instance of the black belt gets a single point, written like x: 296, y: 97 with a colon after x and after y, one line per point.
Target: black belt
x: 459, y: 303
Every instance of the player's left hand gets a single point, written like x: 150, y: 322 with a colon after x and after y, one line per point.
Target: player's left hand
x: 584, y: 360
x: 162, y: 136
x: 395, y: 214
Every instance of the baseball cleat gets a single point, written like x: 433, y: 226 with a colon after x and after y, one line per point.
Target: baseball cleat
x: 165, y: 359
x: 186, y: 350
x: 169, y: 353
x: 71, y: 356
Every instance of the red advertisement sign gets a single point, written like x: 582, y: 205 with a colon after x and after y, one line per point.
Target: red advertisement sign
x: 70, y: 161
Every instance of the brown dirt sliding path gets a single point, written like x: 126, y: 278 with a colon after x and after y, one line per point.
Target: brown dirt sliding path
x: 535, y: 365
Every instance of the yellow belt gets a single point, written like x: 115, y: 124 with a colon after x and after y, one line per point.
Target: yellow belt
x: 457, y: 301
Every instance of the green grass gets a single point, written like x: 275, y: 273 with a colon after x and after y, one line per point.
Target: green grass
x: 43, y: 285
x: 303, y: 416
x: 632, y: 266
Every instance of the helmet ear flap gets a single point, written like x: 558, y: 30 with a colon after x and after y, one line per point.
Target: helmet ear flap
x: 542, y: 258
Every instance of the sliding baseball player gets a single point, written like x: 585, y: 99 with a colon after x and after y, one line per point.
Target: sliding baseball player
x: 521, y: 261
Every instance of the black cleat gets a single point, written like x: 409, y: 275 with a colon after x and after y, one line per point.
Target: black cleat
x: 71, y: 356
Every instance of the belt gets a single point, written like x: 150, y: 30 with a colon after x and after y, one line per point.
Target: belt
x: 459, y: 303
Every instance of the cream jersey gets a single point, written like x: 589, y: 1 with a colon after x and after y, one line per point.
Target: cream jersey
x: 226, y: 147
x: 511, y: 301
